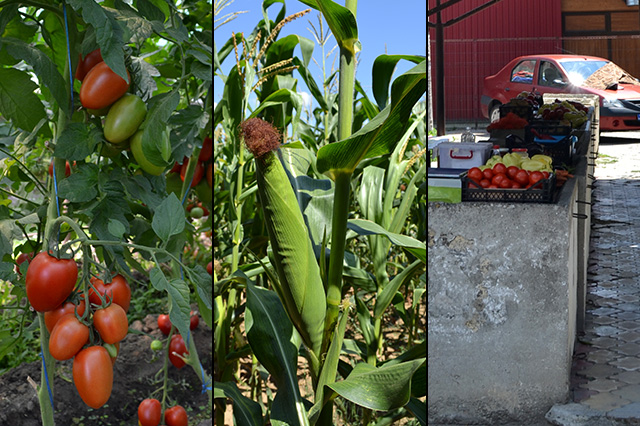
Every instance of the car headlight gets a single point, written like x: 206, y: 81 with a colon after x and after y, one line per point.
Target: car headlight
x: 612, y: 103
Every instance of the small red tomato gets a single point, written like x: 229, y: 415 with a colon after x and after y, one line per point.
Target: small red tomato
x: 102, y: 87
x: 149, y: 412
x: 164, y: 324
x: 535, y: 177
x: 85, y: 65
x: 505, y: 183
x: 492, y: 186
x: 194, y: 321
x: 50, y: 281
x: 176, y: 416
x: 111, y: 322
x: 487, y: 173
x: 177, y: 346
x: 206, y: 151
x: 210, y: 175
x: 515, y: 185
x: 499, y: 168
x: 210, y: 268
x: 67, y: 169
x: 545, y: 174
x: 68, y: 337
x: 485, y: 183
x: 117, y: 290
x: 511, y: 172
x: 52, y: 317
x: 497, y: 178
x: 23, y: 257
x: 197, y: 173
x: 522, y: 177
x: 475, y: 174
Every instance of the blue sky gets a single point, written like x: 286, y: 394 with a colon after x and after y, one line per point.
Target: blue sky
x: 400, y: 25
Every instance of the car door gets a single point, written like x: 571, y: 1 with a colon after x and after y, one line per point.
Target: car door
x: 551, y: 78
x: 520, y: 79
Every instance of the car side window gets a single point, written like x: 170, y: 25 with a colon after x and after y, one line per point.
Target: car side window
x: 549, y: 75
x: 523, y: 72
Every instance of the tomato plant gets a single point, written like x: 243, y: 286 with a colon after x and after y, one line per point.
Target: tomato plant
x: 149, y: 412
x: 93, y: 375
x: 67, y: 338
x: 124, y: 118
x: 176, y: 416
x: 111, y: 322
x: 102, y: 87
x: 50, y: 281
x: 85, y: 65
x: 52, y: 317
x: 117, y: 291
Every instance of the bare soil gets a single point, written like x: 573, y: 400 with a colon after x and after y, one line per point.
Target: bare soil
x: 133, y: 381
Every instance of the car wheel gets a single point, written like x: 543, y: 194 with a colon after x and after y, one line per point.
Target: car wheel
x: 494, y: 112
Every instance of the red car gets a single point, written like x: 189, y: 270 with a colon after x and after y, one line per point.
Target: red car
x: 619, y: 92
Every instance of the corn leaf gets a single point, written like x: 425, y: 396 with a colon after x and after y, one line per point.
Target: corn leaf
x: 418, y: 409
x: 366, y: 227
x: 341, y: 21
x: 380, y: 135
x: 384, y: 300
x: 271, y: 337
x: 280, y: 97
x: 245, y: 411
x: 382, y: 389
x: 381, y: 73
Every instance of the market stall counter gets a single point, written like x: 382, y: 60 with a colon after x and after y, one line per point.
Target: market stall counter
x: 505, y: 300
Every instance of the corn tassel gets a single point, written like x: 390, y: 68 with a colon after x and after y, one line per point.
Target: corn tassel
x: 301, y: 285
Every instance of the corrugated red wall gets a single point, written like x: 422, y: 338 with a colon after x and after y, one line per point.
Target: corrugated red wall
x: 482, y: 44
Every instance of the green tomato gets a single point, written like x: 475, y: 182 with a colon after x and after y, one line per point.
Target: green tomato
x: 156, y: 345
x: 124, y: 118
x: 141, y: 158
x: 196, y: 212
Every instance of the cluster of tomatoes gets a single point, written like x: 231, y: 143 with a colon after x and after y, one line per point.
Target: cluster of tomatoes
x: 204, y: 166
x: 501, y: 176
x: 50, y: 284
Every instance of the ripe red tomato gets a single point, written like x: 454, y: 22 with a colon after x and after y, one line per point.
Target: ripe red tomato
x: 102, y: 87
x: 206, y: 151
x: 111, y: 322
x: 176, y: 416
x: 210, y: 268
x: 487, y: 173
x: 210, y: 175
x: 497, y: 178
x: 522, y: 177
x: 475, y: 174
x: 164, y: 324
x: 117, y: 290
x: 515, y: 185
x: 84, y: 66
x: 499, y: 168
x: 149, y: 412
x: 177, y: 166
x: 492, y: 186
x: 545, y: 174
x: 535, y: 177
x: 93, y: 376
x: 50, y: 281
x: 511, y: 172
x: 194, y: 321
x: 68, y: 337
x: 177, y: 345
x: 485, y: 183
x: 23, y: 257
x: 67, y: 169
x: 197, y: 173
x: 505, y: 183
x: 52, y: 317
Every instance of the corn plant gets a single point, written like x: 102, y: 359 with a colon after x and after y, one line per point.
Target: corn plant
x: 287, y: 261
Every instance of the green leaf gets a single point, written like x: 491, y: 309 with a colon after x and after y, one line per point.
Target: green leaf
x: 18, y: 101
x: 109, y: 34
x: 150, y: 11
x: 418, y: 409
x: 366, y: 227
x: 169, y: 218
x: 42, y: 66
x: 245, y: 411
x: 341, y: 21
x: 112, y: 206
x: 179, y: 307
x: 202, y: 281
x: 81, y: 186
x: 77, y: 142
x: 155, y: 124
x: 382, y: 70
x: 382, y: 389
x: 380, y: 135
x: 280, y: 97
x: 385, y: 298
x: 270, y: 334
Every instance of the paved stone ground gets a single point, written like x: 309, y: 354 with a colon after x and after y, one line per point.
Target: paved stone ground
x: 605, y: 379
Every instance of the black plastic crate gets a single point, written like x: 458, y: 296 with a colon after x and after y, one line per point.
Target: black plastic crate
x: 522, y: 111
x: 539, y: 194
x: 554, y: 139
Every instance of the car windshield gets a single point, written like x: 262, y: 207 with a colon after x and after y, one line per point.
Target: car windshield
x: 579, y: 71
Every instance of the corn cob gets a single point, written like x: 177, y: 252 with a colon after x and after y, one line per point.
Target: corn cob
x: 301, y: 286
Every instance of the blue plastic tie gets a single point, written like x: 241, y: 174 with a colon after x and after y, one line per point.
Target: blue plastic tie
x: 66, y: 30
x: 187, y: 192
x: 46, y: 376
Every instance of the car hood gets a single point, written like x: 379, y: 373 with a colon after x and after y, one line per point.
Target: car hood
x: 612, y: 81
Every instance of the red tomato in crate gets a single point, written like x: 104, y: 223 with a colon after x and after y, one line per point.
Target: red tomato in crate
x: 512, y: 171
x: 534, y: 178
x: 515, y: 185
x: 545, y: 174
x: 487, y: 173
x: 505, y: 183
x: 499, y: 168
x: 485, y: 183
x: 497, y: 178
x: 492, y: 186
x: 522, y: 177
x: 475, y: 174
